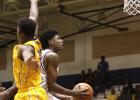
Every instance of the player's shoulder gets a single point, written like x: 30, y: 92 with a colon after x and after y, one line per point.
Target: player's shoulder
x: 52, y: 55
x: 16, y: 46
x: 49, y: 52
x: 25, y: 47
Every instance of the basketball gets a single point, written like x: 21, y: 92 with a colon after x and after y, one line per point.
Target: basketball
x: 84, y: 86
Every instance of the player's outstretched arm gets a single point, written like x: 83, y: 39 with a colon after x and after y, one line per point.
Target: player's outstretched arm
x: 7, y: 94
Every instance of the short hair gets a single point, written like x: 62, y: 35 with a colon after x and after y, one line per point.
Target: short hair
x: 46, y: 36
x: 102, y: 57
x: 27, y: 26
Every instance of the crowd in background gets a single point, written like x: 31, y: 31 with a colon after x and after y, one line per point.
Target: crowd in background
x: 100, y: 81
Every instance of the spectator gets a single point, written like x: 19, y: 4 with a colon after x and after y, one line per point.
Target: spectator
x: 137, y: 92
x: 102, y: 69
x: 128, y: 91
x: 83, y: 76
x: 90, y: 77
x: 89, y: 72
x: 103, y: 66
x: 112, y: 96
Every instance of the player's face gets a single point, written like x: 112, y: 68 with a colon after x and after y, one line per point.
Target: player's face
x: 58, y: 42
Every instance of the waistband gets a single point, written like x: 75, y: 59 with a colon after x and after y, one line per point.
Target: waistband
x: 29, y: 88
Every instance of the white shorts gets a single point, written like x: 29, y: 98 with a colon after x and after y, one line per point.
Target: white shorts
x: 51, y: 97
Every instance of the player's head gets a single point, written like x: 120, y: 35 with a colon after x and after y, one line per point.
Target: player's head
x: 51, y: 39
x: 26, y: 28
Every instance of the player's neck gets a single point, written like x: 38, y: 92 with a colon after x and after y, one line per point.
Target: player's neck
x: 54, y: 50
x: 26, y: 39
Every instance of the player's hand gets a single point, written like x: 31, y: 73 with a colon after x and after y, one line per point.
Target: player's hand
x: 2, y: 89
x: 4, y: 95
x: 80, y: 93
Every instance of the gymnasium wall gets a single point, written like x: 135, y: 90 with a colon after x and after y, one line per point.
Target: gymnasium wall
x: 3, y: 58
x: 6, y: 73
x: 122, y: 50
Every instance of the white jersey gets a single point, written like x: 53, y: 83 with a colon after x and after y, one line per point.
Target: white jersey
x: 44, y: 74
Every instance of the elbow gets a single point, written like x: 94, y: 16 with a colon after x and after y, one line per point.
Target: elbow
x: 51, y: 86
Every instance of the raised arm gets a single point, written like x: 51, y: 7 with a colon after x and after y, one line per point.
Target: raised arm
x: 34, y: 10
x: 34, y: 13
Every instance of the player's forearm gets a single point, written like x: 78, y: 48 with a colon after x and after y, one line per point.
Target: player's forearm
x: 2, y: 88
x: 61, y: 97
x: 59, y: 89
x: 34, y: 10
x: 11, y: 91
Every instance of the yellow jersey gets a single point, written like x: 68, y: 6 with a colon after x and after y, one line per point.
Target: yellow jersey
x: 26, y: 76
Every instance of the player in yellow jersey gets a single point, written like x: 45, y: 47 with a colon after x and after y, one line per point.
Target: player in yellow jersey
x: 26, y: 59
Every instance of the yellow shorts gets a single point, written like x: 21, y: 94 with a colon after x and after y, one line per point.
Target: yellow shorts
x: 37, y: 93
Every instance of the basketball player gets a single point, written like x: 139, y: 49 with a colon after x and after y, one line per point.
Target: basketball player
x: 26, y: 60
x: 50, y: 62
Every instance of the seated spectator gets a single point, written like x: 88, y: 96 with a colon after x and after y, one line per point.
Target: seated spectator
x: 83, y: 76
x: 112, y: 96
x: 90, y: 77
x: 128, y: 91
x: 137, y: 90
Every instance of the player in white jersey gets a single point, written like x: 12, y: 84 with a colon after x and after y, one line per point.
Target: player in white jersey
x: 51, y: 40
x: 44, y: 75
